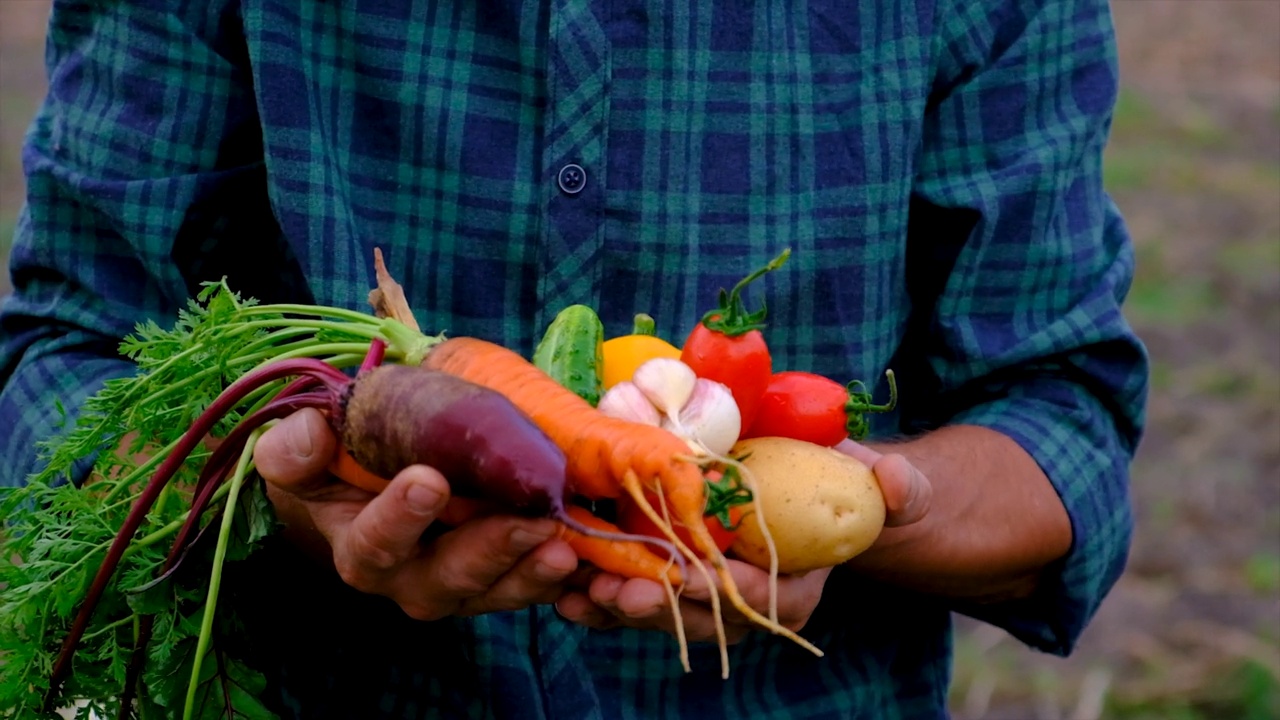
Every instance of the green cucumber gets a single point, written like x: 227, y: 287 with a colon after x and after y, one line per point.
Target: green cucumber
x: 572, y: 352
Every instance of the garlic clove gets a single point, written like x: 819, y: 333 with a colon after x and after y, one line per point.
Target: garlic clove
x: 625, y: 401
x: 667, y: 383
x: 710, y: 421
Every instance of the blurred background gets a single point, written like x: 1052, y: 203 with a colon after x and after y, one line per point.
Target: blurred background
x: 1192, y: 630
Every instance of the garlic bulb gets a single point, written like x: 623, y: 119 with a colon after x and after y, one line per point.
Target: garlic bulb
x: 624, y: 401
x: 710, y: 421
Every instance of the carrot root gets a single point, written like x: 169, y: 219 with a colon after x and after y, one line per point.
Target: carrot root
x: 628, y: 559
x: 631, y: 483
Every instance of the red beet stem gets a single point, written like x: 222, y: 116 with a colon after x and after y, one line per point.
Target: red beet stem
x: 332, y: 379
x: 377, y: 351
x: 224, y: 459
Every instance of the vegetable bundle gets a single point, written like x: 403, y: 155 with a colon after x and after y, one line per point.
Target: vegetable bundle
x: 95, y: 611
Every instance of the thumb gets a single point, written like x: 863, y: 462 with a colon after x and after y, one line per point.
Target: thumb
x: 295, y: 453
x: 907, y: 492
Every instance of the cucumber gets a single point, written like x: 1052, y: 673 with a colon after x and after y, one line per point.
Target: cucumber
x: 572, y: 353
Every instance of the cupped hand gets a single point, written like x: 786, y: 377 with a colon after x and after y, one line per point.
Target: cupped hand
x: 375, y: 542
x: 609, y: 601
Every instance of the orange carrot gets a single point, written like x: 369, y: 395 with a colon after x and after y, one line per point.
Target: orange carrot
x: 345, y: 468
x: 459, y: 509
x: 628, y: 559
x: 606, y: 456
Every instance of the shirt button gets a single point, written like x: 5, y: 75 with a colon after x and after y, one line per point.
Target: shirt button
x: 572, y: 179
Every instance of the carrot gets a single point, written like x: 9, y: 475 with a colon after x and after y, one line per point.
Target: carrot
x: 345, y: 468
x: 605, y: 456
x: 632, y: 560
x: 459, y: 509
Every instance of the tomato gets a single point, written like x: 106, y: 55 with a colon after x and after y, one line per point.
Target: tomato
x: 633, y: 520
x: 741, y: 363
x: 721, y: 492
x: 727, y: 346
x: 806, y: 406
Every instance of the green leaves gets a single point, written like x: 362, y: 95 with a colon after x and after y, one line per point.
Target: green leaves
x: 56, y: 533
x: 227, y: 689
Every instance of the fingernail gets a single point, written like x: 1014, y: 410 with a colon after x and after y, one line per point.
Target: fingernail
x: 300, y: 437
x: 523, y: 539
x: 914, y: 507
x: 421, y: 499
x: 549, y: 573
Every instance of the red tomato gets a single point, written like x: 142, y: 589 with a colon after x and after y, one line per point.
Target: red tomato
x: 727, y: 346
x: 802, y: 406
x: 741, y: 362
x: 633, y: 520
x: 805, y: 406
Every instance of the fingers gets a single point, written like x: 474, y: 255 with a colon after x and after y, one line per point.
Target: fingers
x: 578, y: 607
x: 906, y: 490
x: 467, y: 561
x: 487, y: 564
x: 370, y: 542
x: 612, y: 601
x: 858, y: 451
x: 537, y: 578
x: 294, y: 454
x: 907, y: 493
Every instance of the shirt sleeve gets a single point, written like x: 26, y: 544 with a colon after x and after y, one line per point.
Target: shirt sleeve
x: 129, y: 163
x: 1027, y: 265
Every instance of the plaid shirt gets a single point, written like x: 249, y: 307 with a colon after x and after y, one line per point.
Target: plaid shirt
x: 935, y: 165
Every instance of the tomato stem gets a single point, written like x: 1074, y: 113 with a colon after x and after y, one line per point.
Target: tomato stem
x: 859, y: 404
x: 731, y: 317
x: 723, y: 495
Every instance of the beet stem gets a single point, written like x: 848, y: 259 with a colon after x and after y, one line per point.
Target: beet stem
x: 333, y: 379
x: 377, y: 351
x: 219, y: 465
x: 224, y: 458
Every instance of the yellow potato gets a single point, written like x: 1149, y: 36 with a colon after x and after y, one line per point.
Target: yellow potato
x: 821, y: 506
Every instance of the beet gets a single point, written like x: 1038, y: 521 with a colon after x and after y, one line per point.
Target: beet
x: 394, y: 416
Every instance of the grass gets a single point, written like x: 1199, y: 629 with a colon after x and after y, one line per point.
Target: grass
x: 1163, y: 296
x: 1244, y: 690
x: 1262, y: 571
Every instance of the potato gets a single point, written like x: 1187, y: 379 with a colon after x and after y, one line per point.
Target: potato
x: 821, y: 506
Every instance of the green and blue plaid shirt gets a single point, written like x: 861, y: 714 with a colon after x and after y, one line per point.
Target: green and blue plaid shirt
x: 933, y: 164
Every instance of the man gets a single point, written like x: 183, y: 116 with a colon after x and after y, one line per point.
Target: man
x: 935, y: 165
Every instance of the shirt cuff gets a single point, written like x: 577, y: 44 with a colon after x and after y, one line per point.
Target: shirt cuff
x: 1074, y: 439
x: 40, y: 402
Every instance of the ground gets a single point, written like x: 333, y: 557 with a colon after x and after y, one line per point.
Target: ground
x: 1192, y: 630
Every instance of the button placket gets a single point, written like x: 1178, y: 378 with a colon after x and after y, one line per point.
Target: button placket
x: 573, y: 161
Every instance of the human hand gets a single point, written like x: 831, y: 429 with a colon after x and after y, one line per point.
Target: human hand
x: 608, y: 601
x: 486, y: 564
x: 907, y: 492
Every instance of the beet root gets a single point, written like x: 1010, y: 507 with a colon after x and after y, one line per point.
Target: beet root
x: 394, y: 416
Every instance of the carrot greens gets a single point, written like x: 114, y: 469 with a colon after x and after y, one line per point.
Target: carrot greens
x: 152, y: 645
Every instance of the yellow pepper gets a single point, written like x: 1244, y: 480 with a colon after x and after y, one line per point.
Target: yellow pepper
x: 625, y: 353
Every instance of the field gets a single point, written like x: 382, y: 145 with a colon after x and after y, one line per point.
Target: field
x: 1192, y: 630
